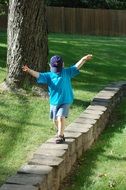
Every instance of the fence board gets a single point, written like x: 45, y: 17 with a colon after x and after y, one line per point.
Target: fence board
x: 83, y: 21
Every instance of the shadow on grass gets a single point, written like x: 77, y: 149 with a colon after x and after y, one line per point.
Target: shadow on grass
x: 19, y: 133
x: 117, y: 158
x: 19, y: 122
x: 3, y: 49
x: 85, y: 168
x: 81, y: 103
x: 3, y: 56
x: 12, y: 132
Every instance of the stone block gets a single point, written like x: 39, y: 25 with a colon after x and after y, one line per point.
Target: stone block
x: 97, y: 108
x: 73, y: 159
x: 53, y: 153
x: 90, y: 116
x: 57, y: 164
x: 96, y: 131
x: 118, y: 84
x: 40, y: 170
x: 101, y: 102
x: 87, y: 145
x: 17, y: 187
x: 74, y: 135
x: 88, y: 136
x: 78, y: 127
x: 87, y: 133
x: 70, y: 162
x: 51, y: 145
x: 79, y: 152
x: 50, y: 152
x: 104, y: 98
x: 35, y: 169
x: 107, y: 93
x: 112, y: 89
x: 100, y: 119
x: 84, y: 120
x: 72, y: 145
x: 28, y: 179
x: 93, y: 111
x: 68, y: 166
x: 46, y: 160
x: 102, y: 114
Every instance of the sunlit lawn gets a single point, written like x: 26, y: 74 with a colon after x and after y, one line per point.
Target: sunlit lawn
x: 24, y: 122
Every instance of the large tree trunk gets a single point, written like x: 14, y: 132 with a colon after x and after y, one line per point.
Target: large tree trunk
x: 27, y: 41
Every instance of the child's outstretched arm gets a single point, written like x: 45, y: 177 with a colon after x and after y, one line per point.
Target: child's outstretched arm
x: 80, y: 63
x: 33, y: 73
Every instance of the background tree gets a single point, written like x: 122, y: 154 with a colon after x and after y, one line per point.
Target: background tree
x: 102, y: 4
x: 27, y: 41
x: 3, y: 6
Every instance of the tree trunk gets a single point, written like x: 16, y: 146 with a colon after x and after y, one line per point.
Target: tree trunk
x: 27, y: 41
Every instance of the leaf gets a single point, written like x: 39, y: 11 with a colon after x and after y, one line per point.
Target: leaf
x: 102, y: 175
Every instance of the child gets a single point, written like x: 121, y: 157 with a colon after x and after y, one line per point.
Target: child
x: 60, y: 89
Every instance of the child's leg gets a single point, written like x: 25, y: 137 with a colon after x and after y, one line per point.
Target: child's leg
x: 61, y: 125
x: 56, y: 124
x: 58, y: 114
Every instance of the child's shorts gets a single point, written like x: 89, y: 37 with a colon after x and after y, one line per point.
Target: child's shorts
x: 59, y: 111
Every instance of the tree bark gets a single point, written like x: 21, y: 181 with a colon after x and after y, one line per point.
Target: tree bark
x: 27, y: 41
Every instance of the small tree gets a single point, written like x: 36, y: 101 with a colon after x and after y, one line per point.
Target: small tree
x: 27, y: 41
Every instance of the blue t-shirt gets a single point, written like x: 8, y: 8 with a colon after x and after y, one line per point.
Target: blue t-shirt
x: 59, y: 84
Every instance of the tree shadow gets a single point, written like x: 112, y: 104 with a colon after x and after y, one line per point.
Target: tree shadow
x: 17, y: 121
x: 3, y: 56
x: 3, y: 49
x: 78, y: 102
x: 11, y: 129
x: 117, y: 158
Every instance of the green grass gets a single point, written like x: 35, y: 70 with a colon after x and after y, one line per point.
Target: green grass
x: 103, y: 167
x: 24, y: 122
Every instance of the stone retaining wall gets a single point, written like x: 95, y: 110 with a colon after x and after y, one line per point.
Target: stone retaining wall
x: 52, y: 162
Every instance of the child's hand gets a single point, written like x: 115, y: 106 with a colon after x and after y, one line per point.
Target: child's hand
x: 88, y: 57
x: 25, y: 68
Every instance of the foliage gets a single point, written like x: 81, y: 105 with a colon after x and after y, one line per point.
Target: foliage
x: 104, y: 4
x: 3, y: 5
x: 4, y: 2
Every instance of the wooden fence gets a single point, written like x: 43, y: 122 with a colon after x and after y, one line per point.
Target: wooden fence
x: 86, y: 21
x: 83, y: 21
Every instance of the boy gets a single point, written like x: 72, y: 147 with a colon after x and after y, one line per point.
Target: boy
x: 60, y: 89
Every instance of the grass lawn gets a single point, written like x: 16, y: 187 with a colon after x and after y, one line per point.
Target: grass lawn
x: 24, y: 122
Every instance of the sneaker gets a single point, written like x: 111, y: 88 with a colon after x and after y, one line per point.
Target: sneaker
x: 60, y: 136
x: 60, y: 139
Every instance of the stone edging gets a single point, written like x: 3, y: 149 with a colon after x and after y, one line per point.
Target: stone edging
x: 52, y: 162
